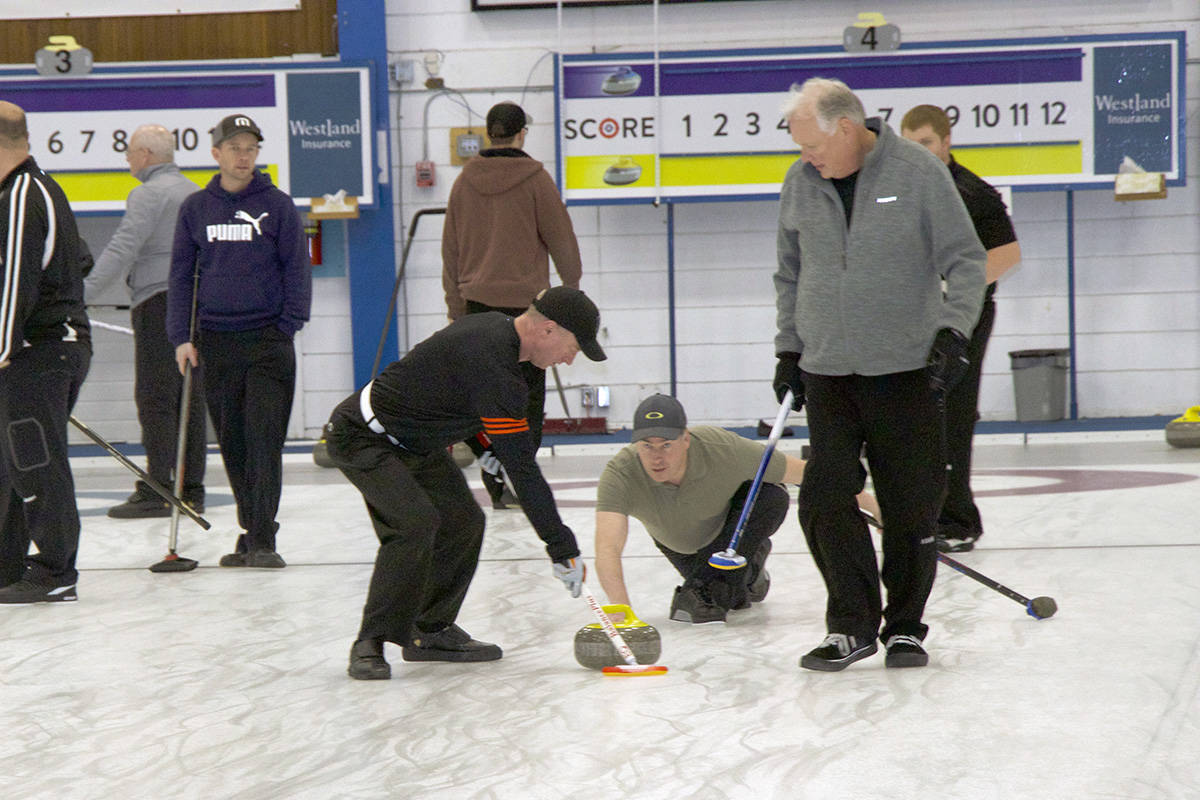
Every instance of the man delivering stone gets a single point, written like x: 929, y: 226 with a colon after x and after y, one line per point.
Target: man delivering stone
x: 687, y: 486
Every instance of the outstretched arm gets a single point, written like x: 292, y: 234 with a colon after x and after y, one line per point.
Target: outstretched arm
x: 612, y: 530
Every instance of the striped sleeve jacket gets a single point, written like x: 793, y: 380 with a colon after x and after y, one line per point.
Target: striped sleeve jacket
x: 41, y: 288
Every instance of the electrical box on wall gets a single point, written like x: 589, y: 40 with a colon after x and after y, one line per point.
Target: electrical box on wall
x: 425, y: 174
x: 464, y: 144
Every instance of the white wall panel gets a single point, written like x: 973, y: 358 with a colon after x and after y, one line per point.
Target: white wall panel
x: 1137, y: 265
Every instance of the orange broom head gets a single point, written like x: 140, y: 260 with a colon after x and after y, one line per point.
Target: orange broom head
x: 630, y: 671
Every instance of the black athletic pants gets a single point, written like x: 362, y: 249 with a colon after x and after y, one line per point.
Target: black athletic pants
x: 728, y: 587
x: 960, y: 517
x: 429, y: 526
x: 37, y: 493
x: 249, y: 380
x: 535, y: 412
x: 897, y: 417
x: 158, y: 391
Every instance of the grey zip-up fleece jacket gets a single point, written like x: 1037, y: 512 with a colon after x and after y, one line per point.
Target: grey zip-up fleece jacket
x: 867, y: 299
x: 140, y: 248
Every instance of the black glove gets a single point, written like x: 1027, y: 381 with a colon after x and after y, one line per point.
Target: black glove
x: 947, y: 362
x: 787, y: 376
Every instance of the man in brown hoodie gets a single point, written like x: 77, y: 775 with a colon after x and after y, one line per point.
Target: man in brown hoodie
x: 504, y: 220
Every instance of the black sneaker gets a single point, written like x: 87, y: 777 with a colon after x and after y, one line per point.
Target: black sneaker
x: 26, y: 591
x: 761, y: 583
x: 451, y: 643
x: 234, y: 559
x: 694, y: 604
x: 506, y: 500
x: 905, y: 651
x: 142, y: 504
x: 265, y: 559
x: 367, y: 662
x: 194, y: 499
x: 837, y: 652
x: 955, y: 544
x: 957, y: 539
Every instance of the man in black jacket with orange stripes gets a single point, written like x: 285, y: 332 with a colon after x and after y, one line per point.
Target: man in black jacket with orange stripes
x: 45, y: 350
x: 390, y: 440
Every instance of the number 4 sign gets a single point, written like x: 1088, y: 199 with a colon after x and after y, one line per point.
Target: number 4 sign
x: 871, y: 32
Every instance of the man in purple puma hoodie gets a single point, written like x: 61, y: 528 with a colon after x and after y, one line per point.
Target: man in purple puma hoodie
x: 241, y: 244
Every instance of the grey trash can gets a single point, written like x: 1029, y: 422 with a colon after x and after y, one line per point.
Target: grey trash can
x: 1040, y: 383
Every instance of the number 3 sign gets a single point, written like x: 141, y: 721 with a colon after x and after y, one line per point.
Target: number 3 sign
x: 63, y: 56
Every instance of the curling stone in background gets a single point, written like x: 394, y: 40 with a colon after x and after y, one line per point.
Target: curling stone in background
x: 321, y: 454
x: 594, y: 650
x: 462, y: 455
x: 1185, y: 431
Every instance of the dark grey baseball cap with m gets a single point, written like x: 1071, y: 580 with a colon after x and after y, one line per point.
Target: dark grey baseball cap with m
x: 232, y: 126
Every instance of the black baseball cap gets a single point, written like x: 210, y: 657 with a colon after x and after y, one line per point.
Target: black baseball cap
x: 575, y: 311
x: 232, y: 126
x: 505, y: 120
x: 658, y: 416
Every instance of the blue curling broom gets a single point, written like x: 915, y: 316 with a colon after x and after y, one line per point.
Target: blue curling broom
x: 729, y: 558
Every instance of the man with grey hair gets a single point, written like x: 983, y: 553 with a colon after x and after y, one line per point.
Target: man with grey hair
x: 140, y: 252
x: 869, y: 226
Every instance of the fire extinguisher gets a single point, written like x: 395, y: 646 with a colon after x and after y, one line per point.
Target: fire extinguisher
x: 312, y: 232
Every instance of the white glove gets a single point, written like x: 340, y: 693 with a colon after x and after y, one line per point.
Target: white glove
x: 571, y: 572
x: 489, y: 463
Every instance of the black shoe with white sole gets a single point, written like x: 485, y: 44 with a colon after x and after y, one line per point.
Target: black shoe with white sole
x: 25, y: 591
x: 837, y: 652
x: 905, y: 651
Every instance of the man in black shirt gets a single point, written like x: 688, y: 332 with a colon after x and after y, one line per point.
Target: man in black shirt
x: 45, y: 350
x: 390, y: 440
x: 960, y: 523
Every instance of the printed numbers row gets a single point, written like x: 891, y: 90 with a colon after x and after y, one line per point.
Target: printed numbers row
x: 185, y: 139
x: 988, y: 115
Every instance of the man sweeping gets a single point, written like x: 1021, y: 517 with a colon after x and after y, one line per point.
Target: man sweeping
x: 390, y: 438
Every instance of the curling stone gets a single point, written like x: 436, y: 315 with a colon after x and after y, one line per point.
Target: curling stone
x: 594, y: 650
x: 462, y: 455
x: 1185, y: 431
x: 321, y: 454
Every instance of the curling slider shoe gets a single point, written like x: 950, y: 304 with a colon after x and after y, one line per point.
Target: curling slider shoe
x: 633, y: 670
x: 726, y: 559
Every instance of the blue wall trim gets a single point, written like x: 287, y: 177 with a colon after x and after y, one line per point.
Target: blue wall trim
x: 362, y: 36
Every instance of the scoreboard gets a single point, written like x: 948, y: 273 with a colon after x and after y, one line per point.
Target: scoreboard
x: 1029, y: 113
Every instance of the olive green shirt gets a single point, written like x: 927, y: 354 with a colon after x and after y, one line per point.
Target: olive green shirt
x: 686, y: 517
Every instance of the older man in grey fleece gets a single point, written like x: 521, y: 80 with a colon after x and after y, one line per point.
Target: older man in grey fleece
x: 869, y: 226
x: 140, y: 252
